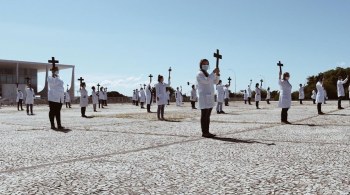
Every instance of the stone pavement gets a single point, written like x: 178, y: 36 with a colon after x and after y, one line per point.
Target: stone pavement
x: 123, y: 150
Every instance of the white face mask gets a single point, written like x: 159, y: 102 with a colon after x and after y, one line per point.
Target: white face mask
x: 205, y: 67
x: 287, y: 78
x: 57, y: 73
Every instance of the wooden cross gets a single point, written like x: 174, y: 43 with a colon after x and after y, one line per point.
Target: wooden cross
x: 169, y: 71
x: 150, y: 78
x: 28, y: 79
x: 98, y: 86
x: 81, y: 80
x: 53, y: 62
x: 217, y: 56
x: 229, y: 81
x: 280, y: 65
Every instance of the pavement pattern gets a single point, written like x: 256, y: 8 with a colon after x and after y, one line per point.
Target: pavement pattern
x: 124, y: 150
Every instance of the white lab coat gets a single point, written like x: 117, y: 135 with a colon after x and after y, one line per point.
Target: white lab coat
x: 301, y: 93
x: 137, y: 95
x: 19, y: 96
x: 227, y: 93
x: 148, y: 94
x: 245, y: 96
x: 161, y: 93
x: 178, y: 97
x: 313, y: 95
x: 257, y: 94
x: 142, y: 96
x: 94, y: 96
x: 84, y: 98
x: 285, y: 98
x: 168, y: 95
x: 105, y: 95
x: 101, y: 95
x: 268, y: 95
x: 56, y: 89
x: 66, y: 97
x: 206, y: 98
x: 134, y: 96
x: 30, y: 95
x: 193, y: 95
x: 340, y: 87
x: 221, y: 93
x: 320, y: 93
x: 249, y: 92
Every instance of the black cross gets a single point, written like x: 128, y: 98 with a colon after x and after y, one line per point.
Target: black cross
x: 169, y: 71
x: 280, y: 65
x: 98, y: 86
x: 261, y: 81
x: 28, y: 79
x: 217, y: 56
x: 229, y: 81
x: 53, y: 62
x: 150, y: 78
x: 81, y: 80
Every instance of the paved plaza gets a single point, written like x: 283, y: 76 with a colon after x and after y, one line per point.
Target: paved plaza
x: 124, y: 150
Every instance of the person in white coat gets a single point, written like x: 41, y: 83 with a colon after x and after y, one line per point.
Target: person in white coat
x: 193, y: 97
x: 149, y: 97
x: 161, y: 96
x: 84, y: 99
x: 268, y: 95
x: 301, y: 93
x: 55, y: 98
x: 206, y: 98
x: 137, y: 97
x: 67, y: 99
x: 30, y: 95
x: 227, y: 94
x: 168, y: 95
x: 320, y: 94
x: 19, y: 100
x: 340, y: 90
x: 178, y: 97
x: 94, y: 97
x: 133, y: 97
x: 220, y: 97
x: 257, y: 95
x: 245, y: 96
x: 313, y: 96
x: 101, y: 98
x: 142, y: 98
x: 285, y: 98
x: 105, y: 97
x: 249, y: 95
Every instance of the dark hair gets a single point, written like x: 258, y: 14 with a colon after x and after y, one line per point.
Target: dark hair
x: 93, y: 87
x: 257, y: 84
x: 320, y: 77
x: 285, y: 75
x: 159, y: 77
x: 200, y: 67
x: 193, y: 86
x: 82, y: 84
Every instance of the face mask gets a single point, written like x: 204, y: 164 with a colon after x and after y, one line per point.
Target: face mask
x: 205, y: 67
x: 57, y: 73
x: 287, y: 78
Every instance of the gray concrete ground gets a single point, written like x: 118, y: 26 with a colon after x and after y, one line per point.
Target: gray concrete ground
x: 123, y: 150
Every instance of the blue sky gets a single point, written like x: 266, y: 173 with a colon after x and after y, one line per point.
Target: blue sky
x: 119, y: 43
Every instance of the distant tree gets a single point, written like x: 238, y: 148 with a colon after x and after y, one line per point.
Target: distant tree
x: 115, y: 94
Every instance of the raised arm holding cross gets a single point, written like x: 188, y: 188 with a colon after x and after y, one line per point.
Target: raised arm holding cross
x: 229, y: 81
x: 261, y: 81
x: 98, y: 86
x: 218, y: 57
x: 53, y: 61
x: 169, y: 72
x: 150, y: 78
x: 280, y: 65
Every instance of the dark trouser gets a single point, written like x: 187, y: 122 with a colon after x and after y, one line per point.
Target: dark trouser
x: 137, y: 103
x: 257, y: 104
x: 339, y: 101
x: 100, y: 102
x: 148, y: 107
x: 160, y: 111
x: 249, y: 101
x: 168, y: 102
x: 142, y: 103
x: 193, y: 103
x: 319, y: 106
x: 301, y: 101
x: 68, y: 105
x: 133, y: 102
x: 284, y: 114
x: 226, y: 102
x: 31, y: 108
x: 314, y: 101
x: 268, y: 101
x: 20, y: 103
x: 205, y: 120
x: 105, y: 102
x: 83, y: 110
x: 94, y: 106
x: 55, y: 111
x: 245, y: 101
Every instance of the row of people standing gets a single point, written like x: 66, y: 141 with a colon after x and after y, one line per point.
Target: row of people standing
x: 27, y: 98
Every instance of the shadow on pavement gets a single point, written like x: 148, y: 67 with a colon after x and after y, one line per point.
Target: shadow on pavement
x: 233, y: 140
